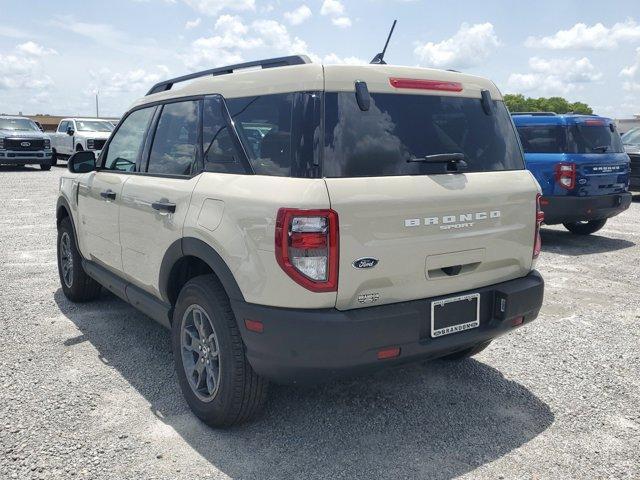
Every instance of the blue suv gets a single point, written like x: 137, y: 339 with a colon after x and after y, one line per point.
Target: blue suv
x: 581, y: 166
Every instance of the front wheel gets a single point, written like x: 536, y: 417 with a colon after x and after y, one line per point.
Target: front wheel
x: 77, y: 286
x: 45, y: 166
x: 585, y: 228
x: 215, y: 376
x: 54, y: 158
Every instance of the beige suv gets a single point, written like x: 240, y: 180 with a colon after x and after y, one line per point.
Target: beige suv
x: 294, y: 222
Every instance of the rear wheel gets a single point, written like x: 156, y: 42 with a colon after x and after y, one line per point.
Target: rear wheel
x: 216, y: 379
x: 585, y: 228
x: 467, y: 352
x: 77, y: 286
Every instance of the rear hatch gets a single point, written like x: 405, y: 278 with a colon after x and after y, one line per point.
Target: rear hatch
x: 589, y: 147
x: 407, y: 229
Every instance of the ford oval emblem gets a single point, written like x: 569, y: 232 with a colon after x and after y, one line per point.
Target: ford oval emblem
x: 366, y: 262
x: 25, y: 144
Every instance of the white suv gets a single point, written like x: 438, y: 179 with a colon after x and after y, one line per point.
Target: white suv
x: 299, y: 222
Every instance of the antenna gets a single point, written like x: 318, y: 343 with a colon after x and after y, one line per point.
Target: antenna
x: 379, y: 58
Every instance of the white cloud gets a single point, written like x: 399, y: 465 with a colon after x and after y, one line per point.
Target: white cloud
x: 11, y: 32
x: 298, y: 16
x: 332, y: 7
x: 213, y: 7
x: 632, y: 74
x: 22, y: 72
x: 233, y: 38
x: 594, y: 37
x: 335, y: 59
x: 470, y: 45
x: 32, y: 48
x: 554, y: 76
x: 136, y: 81
x: 193, y: 23
x: 342, y: 22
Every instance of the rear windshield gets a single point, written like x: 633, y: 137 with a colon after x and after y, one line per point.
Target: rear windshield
x: 576, y: 138
x: 398, y: 128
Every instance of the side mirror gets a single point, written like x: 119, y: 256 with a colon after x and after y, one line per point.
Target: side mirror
x: 70, y: 131
x: 82, y: 162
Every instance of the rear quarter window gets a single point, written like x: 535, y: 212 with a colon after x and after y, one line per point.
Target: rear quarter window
x: 397, y: 128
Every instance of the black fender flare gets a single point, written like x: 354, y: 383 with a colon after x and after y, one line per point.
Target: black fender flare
x: 193, y: 247
x: 63, y: 203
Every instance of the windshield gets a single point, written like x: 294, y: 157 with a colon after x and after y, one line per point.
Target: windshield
x: 632, y: 137
x: 94, y: 126
x: 576, y: 138
x: 399, y: 130
x: 18, y: 124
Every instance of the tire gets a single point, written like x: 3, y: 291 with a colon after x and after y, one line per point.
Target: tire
x: 77, y: 286
x: 79, y: 148
x: 45, y: 166
x: 239, y: 393
x: 467, y: 352
x: 54, y: 157
x: 585, y: 228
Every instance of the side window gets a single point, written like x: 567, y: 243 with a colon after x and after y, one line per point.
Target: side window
x: 126, y: 144
x: 175, y: 142
x: 220, y: 154
x: 62, y: 128
x: 264, y: 126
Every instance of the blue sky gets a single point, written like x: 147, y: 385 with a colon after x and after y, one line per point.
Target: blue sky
x: 55, y: 55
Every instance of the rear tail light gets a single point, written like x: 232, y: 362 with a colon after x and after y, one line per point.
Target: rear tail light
x: 566, y: 175
x: 307, y: 247
x: 417, y: 84
x: 537, y: 240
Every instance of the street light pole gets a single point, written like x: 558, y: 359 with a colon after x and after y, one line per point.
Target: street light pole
x: 97, y: 109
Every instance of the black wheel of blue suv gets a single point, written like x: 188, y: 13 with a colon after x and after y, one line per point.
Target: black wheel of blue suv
x: 585, y: 228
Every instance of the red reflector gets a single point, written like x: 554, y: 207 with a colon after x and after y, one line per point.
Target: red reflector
x: 254, y: 325
x: 308, y: 240
x: 426, y: 84
x: 517, y: 321
x: 388, y: 353
x: 544, y: 201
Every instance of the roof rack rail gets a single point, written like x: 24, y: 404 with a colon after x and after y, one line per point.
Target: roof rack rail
x: 536, y: 114
x: 268, y: 63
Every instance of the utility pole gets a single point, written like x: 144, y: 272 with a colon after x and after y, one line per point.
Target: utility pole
x: 97, y: 109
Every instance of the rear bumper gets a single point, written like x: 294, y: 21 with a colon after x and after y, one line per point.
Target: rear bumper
x: 24, y: 158
x: 307, y: 346
x: 579, y: 209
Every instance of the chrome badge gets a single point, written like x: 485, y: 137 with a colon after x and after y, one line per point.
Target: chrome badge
x: 366, y: 262
x: 25, y: 144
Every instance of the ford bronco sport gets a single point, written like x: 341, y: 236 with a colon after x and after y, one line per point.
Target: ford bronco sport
x: 294, y: 222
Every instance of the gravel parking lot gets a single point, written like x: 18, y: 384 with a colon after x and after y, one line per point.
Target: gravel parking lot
x: 89, y: 391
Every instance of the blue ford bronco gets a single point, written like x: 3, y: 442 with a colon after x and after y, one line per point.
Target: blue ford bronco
x: 581, y: 166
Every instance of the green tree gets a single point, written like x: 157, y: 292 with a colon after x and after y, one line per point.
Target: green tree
x: 518, y: 103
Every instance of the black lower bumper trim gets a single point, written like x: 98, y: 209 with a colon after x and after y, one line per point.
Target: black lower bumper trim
x: 580, y: 209
x: 307, y: 346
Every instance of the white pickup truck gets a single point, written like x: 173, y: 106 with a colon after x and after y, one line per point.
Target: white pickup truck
x: 78, y: 134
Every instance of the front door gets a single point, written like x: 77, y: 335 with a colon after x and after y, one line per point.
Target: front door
x: 100, y: 196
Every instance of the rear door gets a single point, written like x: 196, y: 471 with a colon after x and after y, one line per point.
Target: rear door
x: 431, y: 233
x: 155, y: 203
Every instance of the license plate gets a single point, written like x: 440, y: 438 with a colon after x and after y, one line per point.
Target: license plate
x: 455, y: 314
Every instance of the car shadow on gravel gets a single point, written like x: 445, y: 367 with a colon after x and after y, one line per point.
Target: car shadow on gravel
x: 436, y: 420
x: 566, y: 243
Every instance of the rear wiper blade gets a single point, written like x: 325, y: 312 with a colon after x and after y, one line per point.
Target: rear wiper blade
x: 440, y: 158
x: 602, y: 148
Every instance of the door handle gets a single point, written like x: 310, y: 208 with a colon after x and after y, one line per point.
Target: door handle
x: 108, y: 195
x: 164, y: 207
